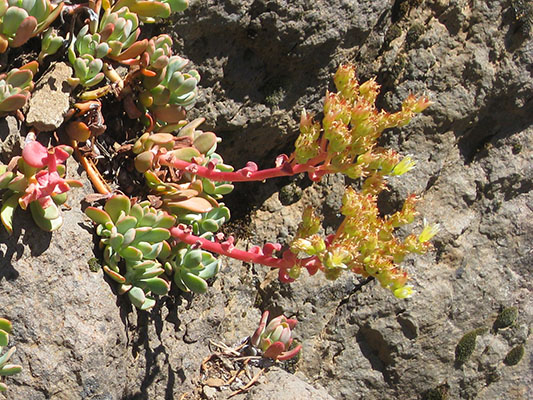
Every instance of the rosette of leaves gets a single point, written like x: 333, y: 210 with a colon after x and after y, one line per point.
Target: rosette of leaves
x: 206, y: 144
x: 181, y: 194
x: 191, y: 268
x: 119, y: 30
x: 169, y: 90
x: 134, y: 241
x: 157, y: 55
x: 15, y: 87
x: 36, y: 181
x: 51, y: 42
x: 6, y: 369
x: 20, y: 20
x: 208, y: 223
x: 85, y: 55
x: 150, y: 11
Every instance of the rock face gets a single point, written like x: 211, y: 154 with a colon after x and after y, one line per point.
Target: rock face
x: 262, y: 62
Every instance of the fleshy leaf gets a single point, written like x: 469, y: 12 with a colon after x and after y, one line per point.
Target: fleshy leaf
x: 117, y: 204
x: 98, y: 215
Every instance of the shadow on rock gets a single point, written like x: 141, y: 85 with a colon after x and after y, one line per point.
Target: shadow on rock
x: 11, y: 248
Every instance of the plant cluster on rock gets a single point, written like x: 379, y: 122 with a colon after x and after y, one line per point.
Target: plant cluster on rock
x: 168, y: 231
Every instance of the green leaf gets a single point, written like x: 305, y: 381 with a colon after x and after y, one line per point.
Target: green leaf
x: 129, y: 236
x: 114, y: 275
x: 131, y: 253
x: 5, y: 325
x: 39, y: 217
x: 210, y: 269
x: 136, y: 211
x: 126, y: 223
x: 12, y: 20
x: 194, y: 282
x: 98, y: 215
x: 137, y: 296
x: 116, y: 241
x: 157, y: 285
x: 156, y: 235
x: 165, y: 251
x: 192, y: 258
x: 8, y: 209
x: 4, y: 338
x: 5, y: 358
x: 60, y: 198
x: 205, y: 142
x: 117, y: 204
x: 10, y: 369
x: 148, y: 303
x: 185, y: 153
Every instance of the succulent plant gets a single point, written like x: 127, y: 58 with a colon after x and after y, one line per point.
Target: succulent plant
x: 191, y: 267
x: 157, y: 54
x: 87, y: 122
x: 180, y: 194
x: 20, y: 20
x: 275, y: 339
x: 150, y: 10
x: 5, y: 368
x: 51, y: 42
x: 36, y: 181
x: 170, y: 89
x: 16, y: 86
x: 134, y: 241
x: 119, y: 29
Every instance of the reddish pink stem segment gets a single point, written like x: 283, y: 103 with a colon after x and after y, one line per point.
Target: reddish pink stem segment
x: 250, y: 172
x: 226, y: 249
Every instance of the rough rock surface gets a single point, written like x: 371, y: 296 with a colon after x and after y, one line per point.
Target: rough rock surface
x: 261, y: 63
x: 51, y: 99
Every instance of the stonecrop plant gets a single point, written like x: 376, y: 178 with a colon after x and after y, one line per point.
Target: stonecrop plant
x: 6, y: 369
x: 168, y: 232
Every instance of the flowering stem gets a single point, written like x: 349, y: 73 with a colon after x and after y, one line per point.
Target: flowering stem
x: 249, y: 173
x: 225, y: 248
x: 254, y: 255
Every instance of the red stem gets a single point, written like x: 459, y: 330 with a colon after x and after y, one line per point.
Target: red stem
x: 228, y: 251
x: 289, y: 260
x: 247, y: 174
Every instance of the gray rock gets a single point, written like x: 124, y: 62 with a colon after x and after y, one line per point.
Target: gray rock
x: 261, y: 63
x: 280, y: 384
x: 11, y: 141
x: 50, y: 100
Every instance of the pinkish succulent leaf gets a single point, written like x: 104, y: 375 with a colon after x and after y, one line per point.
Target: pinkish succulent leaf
x: 135, y: 50
x: 287, y: 355
x: 195, y: 204
x: 14, y: 102
x: 169, y: 113
x: 35, y: 154
x: 32, y: 66
x: 25, y: 31
x: 274, y: 350
x: 143, y: 162
x: 259, y: 331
